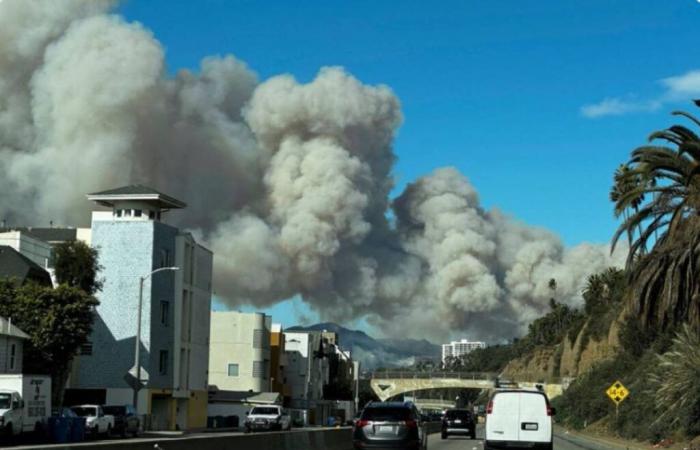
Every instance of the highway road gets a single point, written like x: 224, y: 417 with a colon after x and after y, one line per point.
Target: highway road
x: 464, y: 443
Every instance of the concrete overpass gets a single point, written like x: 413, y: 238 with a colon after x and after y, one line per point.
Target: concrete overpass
x: 388, y: 384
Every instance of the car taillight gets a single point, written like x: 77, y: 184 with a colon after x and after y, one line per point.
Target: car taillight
x: 489, y: 407
x: 411, y: 424
x: 362, y: 423
x: 549, y: 410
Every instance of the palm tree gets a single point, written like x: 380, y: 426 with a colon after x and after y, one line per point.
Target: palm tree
x: 658, y: 194
x: 676, y: 378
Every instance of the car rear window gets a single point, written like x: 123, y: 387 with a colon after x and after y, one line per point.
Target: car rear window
x: 264, y: 411
x: 458, y: 415
x: 115, y: 410
x: 387, y: 414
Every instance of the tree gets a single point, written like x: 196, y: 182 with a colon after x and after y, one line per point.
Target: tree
x: 76, y: 265
x: 658, y: 194
x: 676, y: 382
x: 58, y: 321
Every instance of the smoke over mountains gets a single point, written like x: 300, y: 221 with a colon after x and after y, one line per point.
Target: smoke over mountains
x: 288, y: 183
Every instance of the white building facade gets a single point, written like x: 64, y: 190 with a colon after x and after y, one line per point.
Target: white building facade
x: 307, y: 369
x: 455, y: 349
x: 239, y: 351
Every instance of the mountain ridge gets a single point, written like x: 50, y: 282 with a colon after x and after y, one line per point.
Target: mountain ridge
x: 377, y: 353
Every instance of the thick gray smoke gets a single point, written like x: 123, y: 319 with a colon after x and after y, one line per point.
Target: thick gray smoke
x: 288, y: 183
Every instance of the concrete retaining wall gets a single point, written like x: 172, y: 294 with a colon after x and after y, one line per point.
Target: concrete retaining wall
x: 335, y: 439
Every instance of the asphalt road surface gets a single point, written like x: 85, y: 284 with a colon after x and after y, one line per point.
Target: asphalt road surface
x: 464, y: 443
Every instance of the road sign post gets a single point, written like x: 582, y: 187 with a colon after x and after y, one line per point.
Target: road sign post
x: 617, y: 392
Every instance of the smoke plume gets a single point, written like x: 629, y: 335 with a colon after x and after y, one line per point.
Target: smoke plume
x: 288, y: 183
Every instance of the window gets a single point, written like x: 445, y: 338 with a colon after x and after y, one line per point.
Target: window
x: 163, y: 362
x: 151, y: 214
x: 12, y: 356
x: 164, y: 312
x: 137, y: 213
x: 233, y: 370
x: 86, y: 349
x: 259, y: 340
x: 127, y: 213
x: 258, y: 369
x: 165, y: 257
x: 118, y: 212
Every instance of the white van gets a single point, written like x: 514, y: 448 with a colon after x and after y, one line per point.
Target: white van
x: 518, y: 419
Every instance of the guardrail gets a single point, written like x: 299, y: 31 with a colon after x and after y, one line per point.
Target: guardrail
x: 402, y: 374
x: 492, y: 376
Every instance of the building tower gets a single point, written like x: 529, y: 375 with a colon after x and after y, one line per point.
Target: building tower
x: 132, y: 241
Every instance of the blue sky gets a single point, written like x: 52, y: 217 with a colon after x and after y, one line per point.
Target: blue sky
x: 536, y: 102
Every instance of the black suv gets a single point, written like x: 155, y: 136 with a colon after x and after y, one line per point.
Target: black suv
x: 389, y: 425
x: 458, y: 421
x: 126, y: 421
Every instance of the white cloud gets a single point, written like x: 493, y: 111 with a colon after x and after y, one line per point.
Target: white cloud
x: 616, y: 106
x: 682, y: 86
x: 676, y: 88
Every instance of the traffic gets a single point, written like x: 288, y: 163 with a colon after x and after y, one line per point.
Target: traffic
x: 514, y: 418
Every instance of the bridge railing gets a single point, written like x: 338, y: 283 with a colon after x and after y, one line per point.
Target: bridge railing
x: 491, y: 376
x: 403, y: 374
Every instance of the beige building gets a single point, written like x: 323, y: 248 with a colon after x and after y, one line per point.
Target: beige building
x: 239, y: 351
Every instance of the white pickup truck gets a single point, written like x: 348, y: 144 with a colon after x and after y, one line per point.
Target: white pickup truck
x: 25, y: 403
x: 267, y: 418
x: 96, y: 421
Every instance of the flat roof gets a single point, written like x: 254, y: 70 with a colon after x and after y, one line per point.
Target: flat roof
x: 135, y: 192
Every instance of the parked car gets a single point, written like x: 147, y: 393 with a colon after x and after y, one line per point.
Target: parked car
x: 266, y: 418
x: 96, y: 421
x: 126, y: 421
x: 518, y: 419
x: 389, y: 424
x: 458, y: 421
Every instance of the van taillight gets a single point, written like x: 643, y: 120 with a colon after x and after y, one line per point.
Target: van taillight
x: 549, y: 410
x: 489, y: 407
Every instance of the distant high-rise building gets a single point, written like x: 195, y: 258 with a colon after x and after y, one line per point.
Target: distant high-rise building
x: 458, y: 348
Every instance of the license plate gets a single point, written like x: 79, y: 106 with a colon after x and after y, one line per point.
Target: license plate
x: 458, y: 421
x: 386, y: 429
x: 530, y: 426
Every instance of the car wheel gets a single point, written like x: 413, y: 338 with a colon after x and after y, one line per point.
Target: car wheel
x: 109, y: 429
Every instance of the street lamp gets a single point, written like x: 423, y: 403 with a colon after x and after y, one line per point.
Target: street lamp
x: 137, y: 355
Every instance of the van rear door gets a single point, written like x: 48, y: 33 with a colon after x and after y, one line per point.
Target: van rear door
x: 503, y: 422
x: 535, y: 422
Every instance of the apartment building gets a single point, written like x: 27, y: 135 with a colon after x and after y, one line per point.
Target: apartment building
x: 455, y: 349
x: 134, y: 242
x: 239, y: 352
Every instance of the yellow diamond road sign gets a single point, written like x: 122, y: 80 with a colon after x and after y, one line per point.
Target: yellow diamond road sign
x: 617, y: 392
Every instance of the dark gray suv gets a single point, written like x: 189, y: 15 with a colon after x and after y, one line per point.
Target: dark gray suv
x: 389, y: 425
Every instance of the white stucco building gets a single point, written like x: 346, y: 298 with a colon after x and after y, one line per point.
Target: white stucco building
x: 307, y: 368
x: 456, y: 349
x: 239, y: 351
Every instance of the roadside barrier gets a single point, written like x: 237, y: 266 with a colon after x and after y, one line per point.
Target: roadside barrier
x: 302, y: 439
